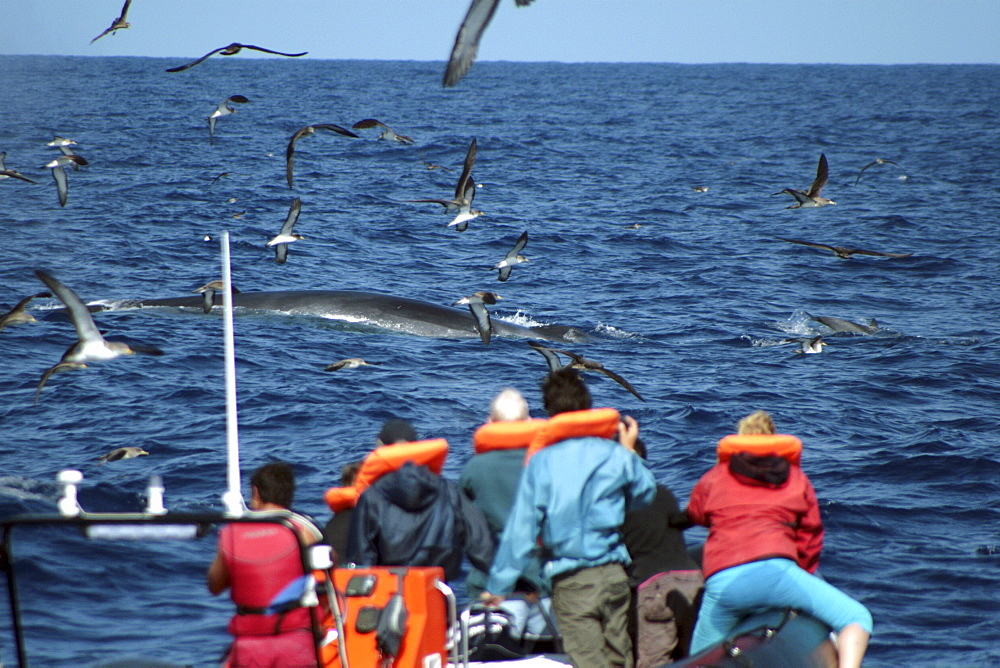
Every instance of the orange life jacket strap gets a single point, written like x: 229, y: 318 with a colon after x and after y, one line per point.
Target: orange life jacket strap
x: 386, y: 459
x: 599, y: 422
x: 505, y: 435
x: 782, y: 445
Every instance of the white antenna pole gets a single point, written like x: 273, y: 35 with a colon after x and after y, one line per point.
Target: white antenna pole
x: 233, y: 498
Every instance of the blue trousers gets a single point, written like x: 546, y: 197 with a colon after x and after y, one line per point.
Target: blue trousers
x: 733, y: 593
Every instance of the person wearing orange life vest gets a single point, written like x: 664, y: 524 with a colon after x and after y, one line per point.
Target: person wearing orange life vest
x: 412, y: 516
x: 764, y: 541
x: 573, y: 497
x: 256, y: 561
x: 336, y: 531
x: 490, y: 479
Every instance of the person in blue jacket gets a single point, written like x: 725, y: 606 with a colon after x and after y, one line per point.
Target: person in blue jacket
x: 572, y: 499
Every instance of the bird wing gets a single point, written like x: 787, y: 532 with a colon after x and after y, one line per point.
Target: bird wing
x: 621, y: 381
x: 504, y: 273
x: 822, y: 172
x: 862, y: 251
x: 62, y: 185
x: 281, y: 253
x: 369, y: 123
x: 519, y: 245
x: 443, y: 202
x: 181, y: 68
x: 112, y: 28
x: 873, y: 162
x: 482, y: 319
x: 239, y: 99
x: 470, y: 158
x: 83, y: 322
x: 290, y: 152
x: 16, y: 175
x: 211, y: 128
x: 808, y: 243
x: 336, y: 128
x: 56, y: 368
x: 279, y: 53
x: 550, y: 356
x: 800, y: 196
x: 293, y: 216
x: 467, y: 40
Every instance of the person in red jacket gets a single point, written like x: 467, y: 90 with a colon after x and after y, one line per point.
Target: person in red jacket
x: 764, y: 541
x: 257, y: 560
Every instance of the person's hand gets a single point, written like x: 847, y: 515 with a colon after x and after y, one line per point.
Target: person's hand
x: 490, y: 600
x: 628, y: 432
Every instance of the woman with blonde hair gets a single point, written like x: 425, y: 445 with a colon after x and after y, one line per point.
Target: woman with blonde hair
x: 764, y: 541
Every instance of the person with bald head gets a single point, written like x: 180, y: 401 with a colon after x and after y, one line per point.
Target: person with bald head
x: 490, y: 479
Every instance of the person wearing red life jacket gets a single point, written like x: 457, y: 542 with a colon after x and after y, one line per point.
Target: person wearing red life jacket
x: 764, y: 541
x: 257, y: 561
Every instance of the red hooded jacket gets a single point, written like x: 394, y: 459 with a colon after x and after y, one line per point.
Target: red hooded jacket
x: 754, y: 514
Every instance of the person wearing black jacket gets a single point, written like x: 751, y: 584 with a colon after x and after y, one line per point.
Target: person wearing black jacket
x: 666, y: 577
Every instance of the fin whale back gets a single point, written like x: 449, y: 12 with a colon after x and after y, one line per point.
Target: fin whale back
x: 396, y: 313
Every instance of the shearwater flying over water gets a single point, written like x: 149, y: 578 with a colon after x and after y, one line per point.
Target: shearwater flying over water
x: 91, y: 346
x: 512, y: 258
x: 208, y: 293
x: 223, y: 110
x: 286, y: 236
x: 880, y: 161
x: 581, y: 363
x: 349, y: 363
x: 11, y: 173
x: 57, y: 165
x: 843, y: 251
x: 811, y: 198
x: 232, y: 50
x: 305, y: 132
x: 465, y: 193
x: 467, y: 40
x: 387, y: 133
x: 18, y: 314
x: 477, y: 304
x: 118, y: 24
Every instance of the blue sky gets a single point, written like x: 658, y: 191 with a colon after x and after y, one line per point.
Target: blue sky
x: 689, y: 31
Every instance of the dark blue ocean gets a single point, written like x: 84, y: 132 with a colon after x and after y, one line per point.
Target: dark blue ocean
x: 687, y: 294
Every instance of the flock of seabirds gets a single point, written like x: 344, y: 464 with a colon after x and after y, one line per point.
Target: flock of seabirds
x: 91, y: 346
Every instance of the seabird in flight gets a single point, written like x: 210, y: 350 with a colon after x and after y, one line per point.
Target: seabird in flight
x: 879, y: 161
x: 304, y: 132
x: 208, y: 294
x: 467, y: 41
x: 223, y: 110
x: 465, y: 193
x: 580, y: 362
x: 843, y: 251
x: 232, y: 50
x: 129, y: 452
x: 57, y: 165
x: 477, y: 304
x: 91, y: 345
x: 18, y: 314
x: 512, y: 258
x: 11, y: 173
x: 286, y: 236
x: 118, y: 24
x: 387, y: 133
x: 811, y: 198
x: 60, y: 141
x: 349, y: 363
